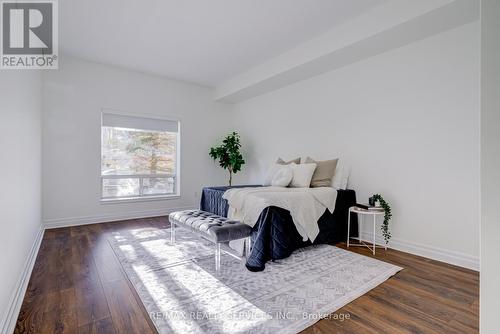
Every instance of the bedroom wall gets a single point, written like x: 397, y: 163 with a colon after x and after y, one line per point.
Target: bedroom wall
x: 407, y: 121
x: 490, y: 165
x: 73, y: 98
x: 20, y: 177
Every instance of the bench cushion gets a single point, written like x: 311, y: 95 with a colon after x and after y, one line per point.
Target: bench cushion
x: 213, y: 227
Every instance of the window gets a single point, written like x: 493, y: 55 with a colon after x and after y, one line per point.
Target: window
x: 139, y: 157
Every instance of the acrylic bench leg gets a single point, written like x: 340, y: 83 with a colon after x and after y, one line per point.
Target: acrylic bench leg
x: 248, y: 247
x: 217, y: 257
x: 172, y: 233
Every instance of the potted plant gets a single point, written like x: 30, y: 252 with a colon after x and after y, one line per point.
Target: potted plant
x: 378, y: 200
x: 228, y: 154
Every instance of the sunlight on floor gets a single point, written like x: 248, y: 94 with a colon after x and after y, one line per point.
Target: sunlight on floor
x: 209, y: 299
x: 198, y: 297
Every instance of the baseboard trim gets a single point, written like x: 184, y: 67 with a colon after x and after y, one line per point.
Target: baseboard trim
x: 9, y: 322
x: 431, y: 252
x: 85, y: 220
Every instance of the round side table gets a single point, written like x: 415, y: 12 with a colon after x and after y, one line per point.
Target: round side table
x: 361, y: 214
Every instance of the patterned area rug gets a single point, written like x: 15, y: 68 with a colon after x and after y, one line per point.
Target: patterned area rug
x: 183, y: 294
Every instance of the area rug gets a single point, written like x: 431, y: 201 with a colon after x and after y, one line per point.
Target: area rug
x: 183, y: 294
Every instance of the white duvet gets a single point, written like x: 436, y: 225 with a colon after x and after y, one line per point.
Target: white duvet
x: 306, y: 205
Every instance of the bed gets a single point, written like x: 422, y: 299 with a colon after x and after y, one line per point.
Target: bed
x: 275, y: 236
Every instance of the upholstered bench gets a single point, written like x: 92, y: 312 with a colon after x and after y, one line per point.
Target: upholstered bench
x: 214, y: 228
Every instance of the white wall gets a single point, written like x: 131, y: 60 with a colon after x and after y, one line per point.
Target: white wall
x: 490, y: 166
x: 20, y: 198
x: 408, y: 123
x: 73, y: 98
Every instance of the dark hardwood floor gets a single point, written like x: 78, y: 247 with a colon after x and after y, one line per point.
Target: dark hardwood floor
x: 78, y: 286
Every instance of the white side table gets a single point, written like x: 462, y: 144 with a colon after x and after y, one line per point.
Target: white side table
x: 361, y: 214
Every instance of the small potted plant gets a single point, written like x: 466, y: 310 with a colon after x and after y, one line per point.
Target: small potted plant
x: 228, y: 154
x: 378, y: 200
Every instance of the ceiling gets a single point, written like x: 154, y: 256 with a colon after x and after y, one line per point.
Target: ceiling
x: 199, y: 41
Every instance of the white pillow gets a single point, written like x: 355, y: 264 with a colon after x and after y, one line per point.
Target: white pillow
x: 283, y: 177
x: 302, y: 175
x: 270, y: 174
x: 341, y: 177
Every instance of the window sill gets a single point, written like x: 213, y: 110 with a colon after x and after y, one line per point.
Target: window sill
x: 138, y: 199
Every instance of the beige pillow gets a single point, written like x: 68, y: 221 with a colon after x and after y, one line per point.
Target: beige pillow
x: 323, y: 175
x: 282, y: 162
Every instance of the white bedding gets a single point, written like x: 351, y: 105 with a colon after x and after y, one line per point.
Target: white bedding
x: 306, y: 205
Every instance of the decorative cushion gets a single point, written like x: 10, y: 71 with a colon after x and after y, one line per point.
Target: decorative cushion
x: 341, y: 177
x: 282, y: 177
x: 302, y: 175
x: 271, y: 172
x: 213, y: 227
x: 323, y: 175
x: 282, y: 162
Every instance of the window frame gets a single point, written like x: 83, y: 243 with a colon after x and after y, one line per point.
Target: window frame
x: 141, y: 177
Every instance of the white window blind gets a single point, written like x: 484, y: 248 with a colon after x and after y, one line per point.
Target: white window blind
x: 139, y: 123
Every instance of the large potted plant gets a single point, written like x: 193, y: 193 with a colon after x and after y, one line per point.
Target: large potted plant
x: 228, y: 154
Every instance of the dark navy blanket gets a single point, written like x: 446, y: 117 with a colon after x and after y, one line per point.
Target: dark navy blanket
x: 275, y: 236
